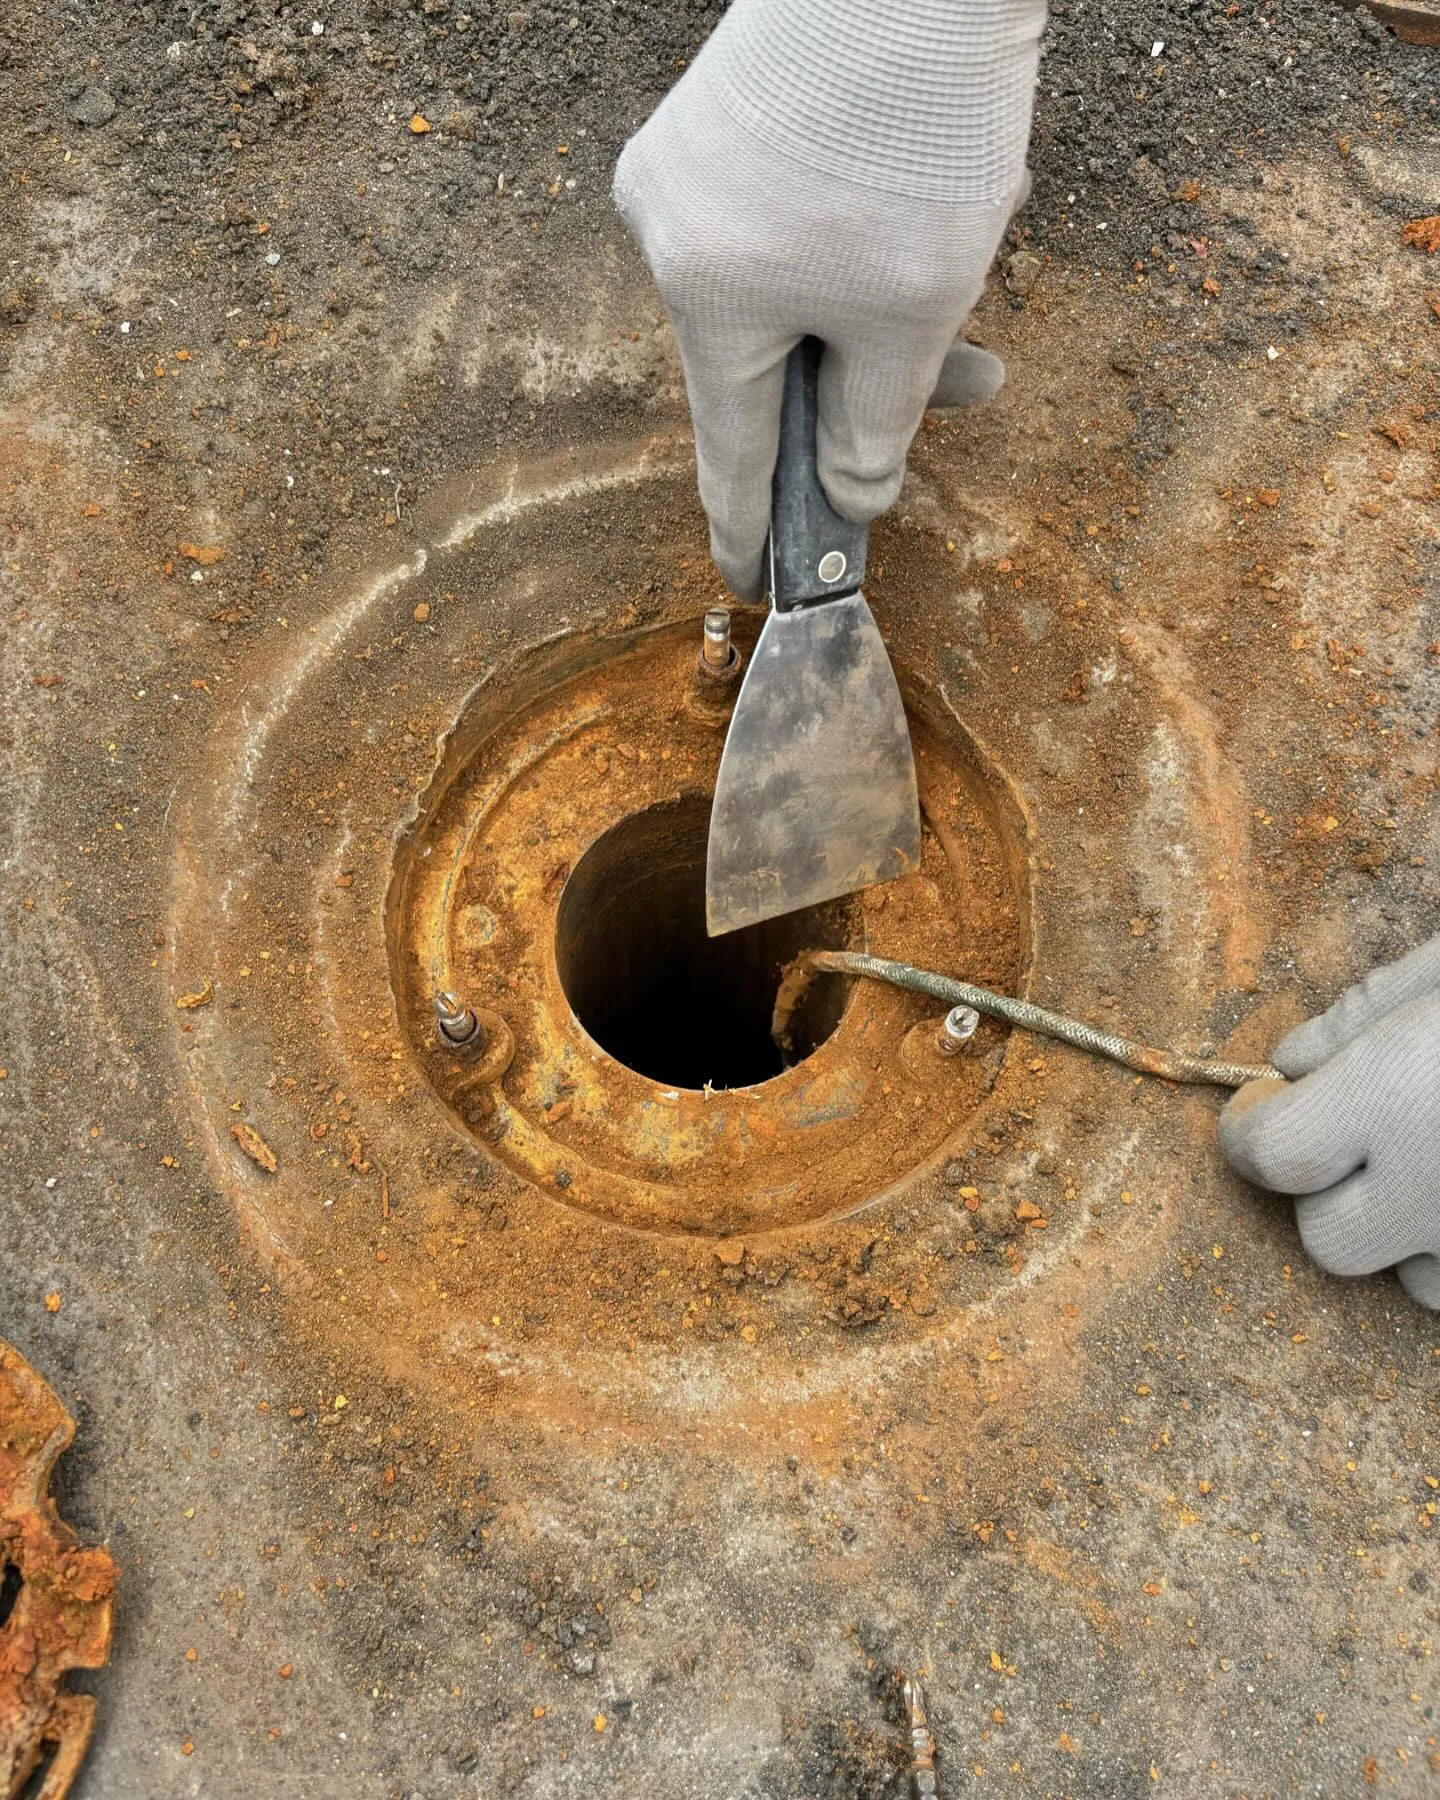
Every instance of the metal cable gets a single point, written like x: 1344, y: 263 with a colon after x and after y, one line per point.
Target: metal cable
x: 1171, y: 1065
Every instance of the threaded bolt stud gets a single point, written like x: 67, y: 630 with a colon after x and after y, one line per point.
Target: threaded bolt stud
x: 456, y: 1024
x: 960, y: 1025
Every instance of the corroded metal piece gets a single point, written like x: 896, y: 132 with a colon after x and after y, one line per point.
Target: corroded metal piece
x: 56, y: 1597
x: 923, y: 1781
x: 475, y: 1034
x: 715, y: 673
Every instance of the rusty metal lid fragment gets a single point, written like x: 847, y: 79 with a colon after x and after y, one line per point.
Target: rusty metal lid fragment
x: 56, y: 1595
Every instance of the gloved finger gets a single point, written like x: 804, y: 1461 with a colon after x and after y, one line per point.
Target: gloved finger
x: 1351, y: 1228
x: 735, y: 382
x: 1297, y: 1139
x: 1420, y: 1277
x: 874, y: 386
x: 1382, y: 991
x: 969, y: 376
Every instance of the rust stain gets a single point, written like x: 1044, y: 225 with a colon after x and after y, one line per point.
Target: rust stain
x: 60, y: 1595
x: 1061, y: 1566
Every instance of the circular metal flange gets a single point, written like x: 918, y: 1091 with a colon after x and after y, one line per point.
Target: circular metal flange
x: 478, y: 892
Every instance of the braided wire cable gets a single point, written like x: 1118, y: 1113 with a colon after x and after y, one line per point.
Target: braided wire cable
x: 1170, y: 1065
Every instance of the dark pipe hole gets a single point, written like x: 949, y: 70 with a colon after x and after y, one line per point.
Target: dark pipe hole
x: 650, y: 987
x: 11, y: 1583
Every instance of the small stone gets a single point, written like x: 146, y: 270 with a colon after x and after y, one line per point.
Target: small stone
x: 1022, y: 270
x: 422, y: 612
x: 95, y: 106
x: 731, y: 1251
x: 583, y: 1662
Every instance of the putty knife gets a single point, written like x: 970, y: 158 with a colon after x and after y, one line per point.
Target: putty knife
x: 816, y: 792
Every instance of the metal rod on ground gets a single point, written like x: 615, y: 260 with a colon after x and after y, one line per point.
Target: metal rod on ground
x: 922, y: 1743
x: 1170, y: 1065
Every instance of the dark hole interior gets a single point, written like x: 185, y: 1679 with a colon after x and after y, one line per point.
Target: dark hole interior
x: 10, y: 1584
x: 651, y: 988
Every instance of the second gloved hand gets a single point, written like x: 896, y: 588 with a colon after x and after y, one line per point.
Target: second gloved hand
x: 1356, y: 1130
x: 843, y: 169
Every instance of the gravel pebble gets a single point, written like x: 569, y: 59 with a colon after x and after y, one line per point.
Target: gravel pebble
x: 92, y: 106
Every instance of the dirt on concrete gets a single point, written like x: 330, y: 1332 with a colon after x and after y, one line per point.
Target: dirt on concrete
x: 329, y: 391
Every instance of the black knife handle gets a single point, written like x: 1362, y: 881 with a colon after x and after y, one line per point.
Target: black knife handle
x: 814, y: 553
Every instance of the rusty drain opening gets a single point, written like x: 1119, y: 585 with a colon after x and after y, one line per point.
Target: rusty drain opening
x: 659, y: 995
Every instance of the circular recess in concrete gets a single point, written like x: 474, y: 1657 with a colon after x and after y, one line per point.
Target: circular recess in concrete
x: 512, y: 682
x: 555, y: 875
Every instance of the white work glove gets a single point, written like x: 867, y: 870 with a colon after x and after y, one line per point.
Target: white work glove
x: 841, y: 168
x: 1356, y: 1130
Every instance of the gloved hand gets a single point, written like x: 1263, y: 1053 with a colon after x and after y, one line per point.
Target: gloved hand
x: 838, y: 167
x: 1357, y: 1129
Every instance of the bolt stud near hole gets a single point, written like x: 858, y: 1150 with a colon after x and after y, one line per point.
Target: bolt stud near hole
x: 958, y: 1027
x: 715, y: 673
x: 456, y: 1025
x: 716, y: 650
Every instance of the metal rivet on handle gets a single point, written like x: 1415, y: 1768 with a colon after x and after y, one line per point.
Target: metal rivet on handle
x: 832, y: 565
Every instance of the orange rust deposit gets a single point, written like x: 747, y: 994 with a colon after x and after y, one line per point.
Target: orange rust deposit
x: 609, y: 772
x: 56, y: 1597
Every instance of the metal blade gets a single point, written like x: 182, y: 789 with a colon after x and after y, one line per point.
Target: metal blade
x: 816, y: 792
